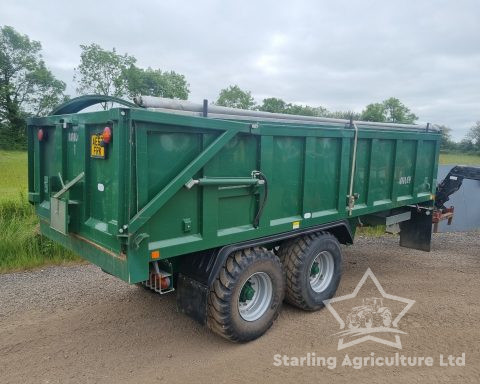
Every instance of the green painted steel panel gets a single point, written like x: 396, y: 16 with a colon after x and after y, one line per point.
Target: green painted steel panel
x: 287, y: 179
x: 382, y: 170
x: 362, y: 170
x: 168, y: 153
x: 322, y: 157
x: 135, y: 200
x: 405, y: 168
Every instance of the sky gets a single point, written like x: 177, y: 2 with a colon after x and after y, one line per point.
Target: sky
x: 341, y: 55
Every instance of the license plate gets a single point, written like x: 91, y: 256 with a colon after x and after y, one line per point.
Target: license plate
x: 96, y: 149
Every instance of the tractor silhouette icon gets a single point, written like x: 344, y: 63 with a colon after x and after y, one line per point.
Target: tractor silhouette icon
x: 371, y: 314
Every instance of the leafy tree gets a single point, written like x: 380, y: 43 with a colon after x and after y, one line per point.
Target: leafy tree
x: 305, y: 110
x: 235, y: 97
x: 466, y: 145
x: 391, y: 110
x: 103, y: 72
x: 446, y: 143
x: 474, y: 135
x: 154, y: 82
x: 397, y: 112
x: 49, y: 92
x: 347, y: 115
x: 374, y: 112
x: 109, y: 73
x: 27, y: 87
x: 273, y: 104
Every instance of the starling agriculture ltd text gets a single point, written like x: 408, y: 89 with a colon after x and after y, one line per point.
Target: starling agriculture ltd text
x: 372, y: 360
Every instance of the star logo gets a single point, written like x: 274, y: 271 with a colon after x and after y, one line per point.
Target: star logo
x: 374, y: 315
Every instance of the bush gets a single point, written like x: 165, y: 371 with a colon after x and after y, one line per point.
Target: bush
x: 12, y: 138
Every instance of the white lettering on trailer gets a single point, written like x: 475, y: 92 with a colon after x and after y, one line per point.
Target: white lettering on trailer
x: 73, y: 137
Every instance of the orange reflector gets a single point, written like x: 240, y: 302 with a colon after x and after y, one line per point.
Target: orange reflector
x: 155, y: 254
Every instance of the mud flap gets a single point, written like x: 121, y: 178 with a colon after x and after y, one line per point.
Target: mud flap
x: 197, y: 272
x: 416, y: 233
x: 192, y: 298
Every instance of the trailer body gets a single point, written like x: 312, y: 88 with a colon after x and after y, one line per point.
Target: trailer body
x: 168, y: 185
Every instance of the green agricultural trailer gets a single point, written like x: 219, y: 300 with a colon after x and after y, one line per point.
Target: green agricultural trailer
x: 234, y: 210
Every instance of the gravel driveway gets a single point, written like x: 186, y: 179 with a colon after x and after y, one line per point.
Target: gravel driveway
x: 79, y: 325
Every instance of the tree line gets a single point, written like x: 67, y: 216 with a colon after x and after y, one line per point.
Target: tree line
x: 28, y: 88
x: 390, y: 110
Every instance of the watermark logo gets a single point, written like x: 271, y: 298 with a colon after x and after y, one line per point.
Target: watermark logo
x: 369, y: 318
x: 369, y: 314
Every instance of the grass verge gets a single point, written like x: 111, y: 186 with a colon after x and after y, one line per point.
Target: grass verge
x: 21, y: 246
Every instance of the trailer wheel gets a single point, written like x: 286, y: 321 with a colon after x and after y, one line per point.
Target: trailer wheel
x: 246, y: 297
x: 313, y: 265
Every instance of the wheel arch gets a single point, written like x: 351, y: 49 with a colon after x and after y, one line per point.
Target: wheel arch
x: 343, y: 233
x: 205, y: 265
x: 197, y: 271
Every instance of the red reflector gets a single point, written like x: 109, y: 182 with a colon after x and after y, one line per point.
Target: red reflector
x: 107, y: 135
x: 40, y: 134
x: 165, y: 282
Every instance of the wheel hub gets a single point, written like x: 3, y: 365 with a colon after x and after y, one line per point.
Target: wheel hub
x: 321, y: 271
x: 247, y: 292
x: 255, y: 296
x: 315, y: 269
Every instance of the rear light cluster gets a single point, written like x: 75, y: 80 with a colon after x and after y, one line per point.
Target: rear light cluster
x: 107, y: 135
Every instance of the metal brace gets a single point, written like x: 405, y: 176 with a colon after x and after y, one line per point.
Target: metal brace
x: 69, y: 185
x: 138, y: 239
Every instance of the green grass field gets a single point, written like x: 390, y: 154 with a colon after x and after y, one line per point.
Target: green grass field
x: 21, y: 247
x: 13, y: 171
x: 459, y: 159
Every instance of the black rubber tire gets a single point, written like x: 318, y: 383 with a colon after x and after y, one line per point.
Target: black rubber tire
x: 223, y: 315
x: 297, y: 256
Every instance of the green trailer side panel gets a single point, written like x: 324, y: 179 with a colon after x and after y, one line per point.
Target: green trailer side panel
x: 168, y: 153
x: 404, y: 168
x: 363, y: 171
x: 135, y: 200
x: 425, y: 181
x: 322, y: 157
x: 287, y: 180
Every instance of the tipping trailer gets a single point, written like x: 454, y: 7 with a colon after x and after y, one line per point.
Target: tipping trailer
x: 234, y: 210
